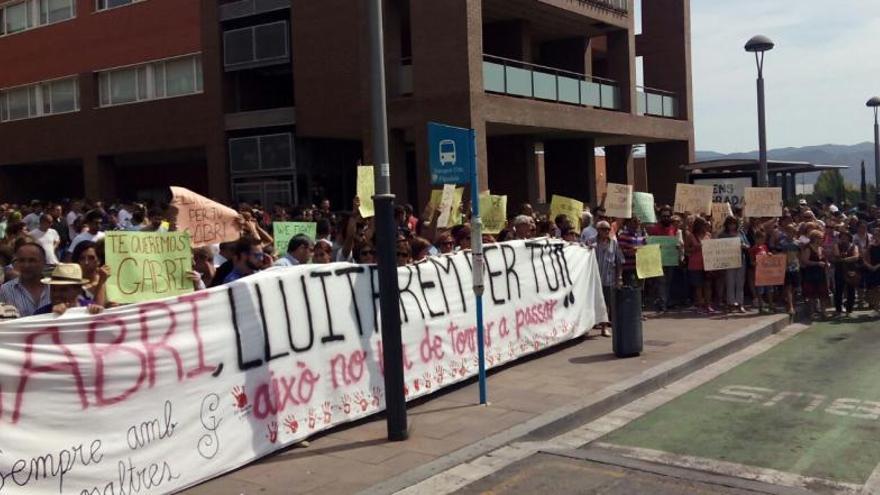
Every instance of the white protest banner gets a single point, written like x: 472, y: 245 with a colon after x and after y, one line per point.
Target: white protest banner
x: 206, y: 221
x: 726, y: 189
x: 722, y: 254
x: 693, y: 199
x: 763, y: 202
x: 165, y: 394
x: 619, y: 200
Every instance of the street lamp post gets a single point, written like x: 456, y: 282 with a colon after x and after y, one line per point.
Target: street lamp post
x: 875, y: 104
x: 758, y: 45
x: 386, y: 235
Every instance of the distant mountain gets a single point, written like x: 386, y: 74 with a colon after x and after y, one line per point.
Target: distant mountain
x: 826, y: 154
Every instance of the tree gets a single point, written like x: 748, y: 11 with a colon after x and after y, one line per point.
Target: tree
x: 830, y: 184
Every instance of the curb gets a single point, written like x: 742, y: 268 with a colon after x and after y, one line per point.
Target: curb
x: 559, y: 420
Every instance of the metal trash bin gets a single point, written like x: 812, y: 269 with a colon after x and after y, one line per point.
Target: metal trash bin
x: 626, y: 333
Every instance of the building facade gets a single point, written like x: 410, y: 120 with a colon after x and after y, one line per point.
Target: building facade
x: 269, y: 99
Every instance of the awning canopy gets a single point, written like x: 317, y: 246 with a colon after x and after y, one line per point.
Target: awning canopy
x: 745, y: 165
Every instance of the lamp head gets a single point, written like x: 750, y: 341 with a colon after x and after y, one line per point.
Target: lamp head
x: 874, y: 102
x: 759, y: 43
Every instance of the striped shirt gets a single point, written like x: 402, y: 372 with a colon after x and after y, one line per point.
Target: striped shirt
x: 14, y: 293
x: 629, y: 241
x: 608, y: 258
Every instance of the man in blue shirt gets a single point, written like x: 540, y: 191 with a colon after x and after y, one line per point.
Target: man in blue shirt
x: 247, y: 259
x: 299, y: 251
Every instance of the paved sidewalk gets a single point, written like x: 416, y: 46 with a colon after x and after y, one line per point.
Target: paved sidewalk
x: 354, y: 458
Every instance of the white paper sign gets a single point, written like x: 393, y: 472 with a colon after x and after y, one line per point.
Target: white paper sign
x: 722, y: 254
x: 174, y: 392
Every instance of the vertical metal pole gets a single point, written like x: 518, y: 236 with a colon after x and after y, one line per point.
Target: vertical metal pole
x: 762, y: 133
x: 477, y: 252
x: 386, y: 235
x: 876, y: 159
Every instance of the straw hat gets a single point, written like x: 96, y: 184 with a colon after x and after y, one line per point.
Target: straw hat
x: 65, y: 274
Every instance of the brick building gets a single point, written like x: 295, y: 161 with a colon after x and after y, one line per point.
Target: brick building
x: 268, y: 99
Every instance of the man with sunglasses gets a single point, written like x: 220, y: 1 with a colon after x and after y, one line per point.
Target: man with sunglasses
x: 247, y: 259
x: 299, y: 251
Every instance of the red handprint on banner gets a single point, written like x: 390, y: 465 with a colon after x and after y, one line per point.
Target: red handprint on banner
x: 346, y: 404
x: 361, y: 400
x: 439, y: 374
x: 291, y: 424
x: 272, y: 429
x: 313, y: 418
x: 377, y: 396
x: 328, y: 412
x: 241, y: 398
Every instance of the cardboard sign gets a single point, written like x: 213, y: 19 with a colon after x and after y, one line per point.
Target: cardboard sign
x: 770, y: 270
x: 572, y: 208
x: 763, y: 202
x: 156, y: 397
x: 145, y: 266
x: 446, y: 198
x: 722, y: 254
x: 454, y: 210
x: 720, y: 212
x: 283, y: 232
x: 206, y: 221
x: 366, y: 189
x: 643, y: 207
x: 493, y: 211
x: 726, y: 189
x: 690, y: 198
x: 649, y: 261
x: 619, y: 201
x: 668, y: 249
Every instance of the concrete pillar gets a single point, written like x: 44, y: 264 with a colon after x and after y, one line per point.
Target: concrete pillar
x: 664, y: 161
x: 569, y: 166
x: 665, y: 45
x: 622, y: 67
x: 619, y: 165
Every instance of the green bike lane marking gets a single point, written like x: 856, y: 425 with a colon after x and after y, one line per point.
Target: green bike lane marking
x: 809, y: 406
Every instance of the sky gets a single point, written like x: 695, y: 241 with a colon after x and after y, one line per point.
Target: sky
x: 825, y: 66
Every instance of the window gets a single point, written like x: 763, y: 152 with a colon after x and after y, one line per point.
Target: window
x: 256, y: 46
x: 261, y: 153
x: 112, y: 4
x: 41, y: 99
x: 17, y: 16
x: 162, y: 79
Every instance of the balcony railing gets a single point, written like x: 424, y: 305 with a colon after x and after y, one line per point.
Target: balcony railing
x: 517, y: 78
x: 656, y: 102
x: 615, y: 5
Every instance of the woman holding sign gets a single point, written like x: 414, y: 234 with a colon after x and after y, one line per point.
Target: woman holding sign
x: 693, y: 246
x: 813, y: 266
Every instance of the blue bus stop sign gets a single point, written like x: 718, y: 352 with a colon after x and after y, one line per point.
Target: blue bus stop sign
x: 451, y: 151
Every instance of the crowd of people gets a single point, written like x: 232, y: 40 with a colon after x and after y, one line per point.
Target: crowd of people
x: 52, y: 254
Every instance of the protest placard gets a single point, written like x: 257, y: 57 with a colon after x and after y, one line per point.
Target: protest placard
x: 283, y: 232
x: 649, y: 261
x: 763, y: 202
x: 694, y: 199
x: 145, y: 266
x: 770, y: 270
x: 668, y: 249
x: 366, y: 189
x: 722, y: 254
x: 618, y: 200
x: 571, y: 208
x: 720, y: 212
x: 493, y: 210
x: 446, y: 198
x: 643, y: 207
x: 206, y: 221
x: 158, y: 396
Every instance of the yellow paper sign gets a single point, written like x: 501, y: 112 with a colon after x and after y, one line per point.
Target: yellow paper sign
x: 694, y: 199
x: 147, y: 265
x: 572, y: 208
x: 493, y: 210
x: 649, y: 261
x: 763, y: 202
x: 720, y: 212
x: 618, y: 200
x: 366, y: 188
x: 454, y: 213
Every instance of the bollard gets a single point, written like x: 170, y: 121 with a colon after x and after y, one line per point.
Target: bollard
x: 626, y: 333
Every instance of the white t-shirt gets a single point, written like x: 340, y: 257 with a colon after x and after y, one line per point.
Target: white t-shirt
x: 71, y: 218
x: 124, y: 218
x: 48, y: 240
x: 85, y: 236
